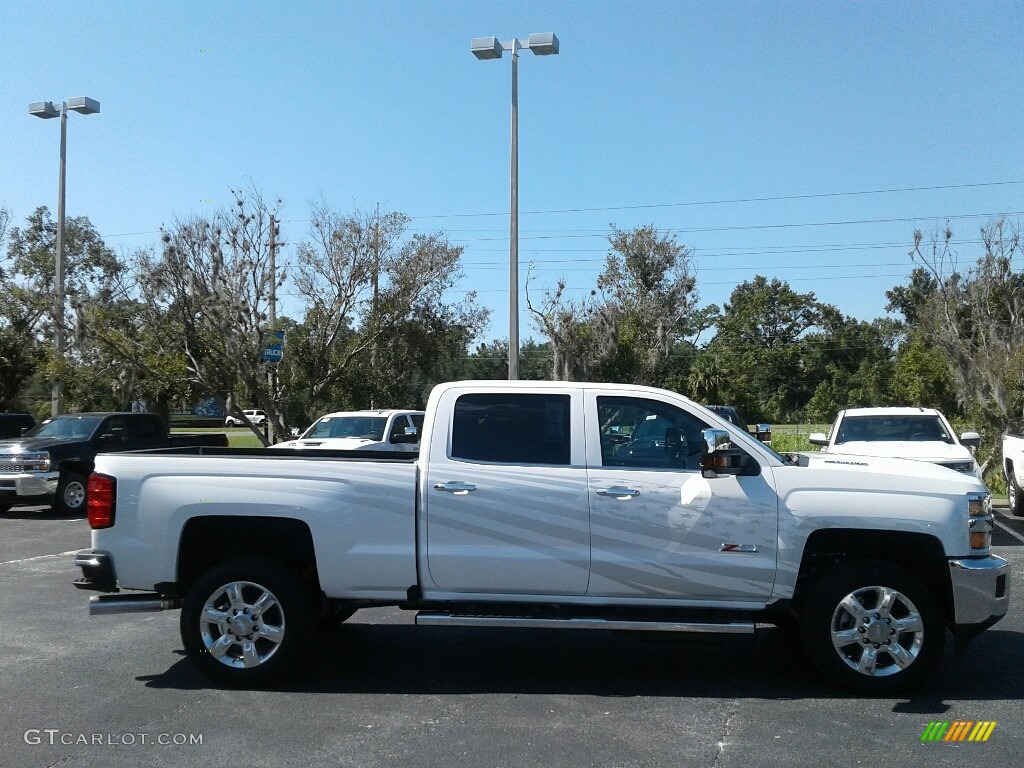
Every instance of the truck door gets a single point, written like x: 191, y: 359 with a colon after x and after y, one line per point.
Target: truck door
x: 658, y: 528
x: 505, y: 494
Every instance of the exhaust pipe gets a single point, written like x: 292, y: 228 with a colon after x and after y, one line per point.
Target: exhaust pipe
x: 147, y: 602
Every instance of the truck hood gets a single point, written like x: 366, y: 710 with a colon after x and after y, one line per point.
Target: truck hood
x: 336, y: 444
x: 919, y: 450
x: 20, y: 444
x: 908, y: 476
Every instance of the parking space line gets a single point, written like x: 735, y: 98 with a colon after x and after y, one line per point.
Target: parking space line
x: 57, y: 554
x: 1009, y: 530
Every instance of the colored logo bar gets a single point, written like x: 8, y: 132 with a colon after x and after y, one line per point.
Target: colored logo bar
x: 959, y: 730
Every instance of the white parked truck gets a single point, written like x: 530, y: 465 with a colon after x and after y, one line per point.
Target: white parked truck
x: 526, y: 508
x: 921, y: 434
x: 1013, y: 471
x: 381, y: 430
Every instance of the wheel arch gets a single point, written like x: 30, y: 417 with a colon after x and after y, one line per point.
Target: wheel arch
x: 285, y: 540
x: 918, y: 553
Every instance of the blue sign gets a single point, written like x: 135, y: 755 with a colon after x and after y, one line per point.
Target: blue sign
x: 273, y: 347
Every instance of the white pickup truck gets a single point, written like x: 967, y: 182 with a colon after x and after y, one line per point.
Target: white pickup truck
x: 921, y: 434
x: 380, y: 430
x: 550, y: 504
x: 1013, y: 471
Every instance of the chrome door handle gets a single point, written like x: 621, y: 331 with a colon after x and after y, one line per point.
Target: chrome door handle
x: 455, y: 487
x: 618, y: 492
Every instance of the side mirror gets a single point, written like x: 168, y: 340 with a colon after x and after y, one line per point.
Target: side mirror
x: 410, y: 435
x: 970, y: 439
x: 715, y: 440
x: 720, y: 458
x: 817, y: 438
x: 24, y: 431
x: 763, y: 432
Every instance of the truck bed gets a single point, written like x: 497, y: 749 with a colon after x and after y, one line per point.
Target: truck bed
x: 283, y: 453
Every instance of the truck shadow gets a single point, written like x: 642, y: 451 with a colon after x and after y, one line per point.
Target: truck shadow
x: 404, y: 659
x: 39, y: 512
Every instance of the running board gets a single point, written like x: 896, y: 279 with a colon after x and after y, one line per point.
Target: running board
x: 455, y: 620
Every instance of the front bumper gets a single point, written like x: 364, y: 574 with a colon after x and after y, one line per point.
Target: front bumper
x: 981, y: 590
x: 27, y: 485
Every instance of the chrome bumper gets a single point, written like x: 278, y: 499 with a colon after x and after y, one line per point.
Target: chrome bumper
x: 981, y: 589
x: 28, y: 484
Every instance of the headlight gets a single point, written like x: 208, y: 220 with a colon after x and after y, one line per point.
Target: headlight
x: 962, y: 466
x: 979, y: 506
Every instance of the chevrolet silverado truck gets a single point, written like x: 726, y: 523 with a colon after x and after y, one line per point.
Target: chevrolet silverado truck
x: 920, y: 434
x: 51, y: 463
x: 1013, y: 471
x: 547, y: 504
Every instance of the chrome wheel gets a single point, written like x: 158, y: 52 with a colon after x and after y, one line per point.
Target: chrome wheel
x: 242, y: 624
x: 877, y: 631
x: 74, y: 494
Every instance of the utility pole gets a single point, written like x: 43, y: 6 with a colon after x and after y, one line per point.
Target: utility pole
x: 273, y: 271
x: 376, y: 280
x: 272, y: 373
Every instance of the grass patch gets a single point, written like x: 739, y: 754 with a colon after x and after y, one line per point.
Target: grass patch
x: 792, y: 438
x: 237, y: 438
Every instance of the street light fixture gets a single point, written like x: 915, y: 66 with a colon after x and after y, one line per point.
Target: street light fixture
x: 485, y: 48
x: 45, y: 110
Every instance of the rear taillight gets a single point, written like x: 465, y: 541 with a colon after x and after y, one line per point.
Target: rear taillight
x: 101, y: 495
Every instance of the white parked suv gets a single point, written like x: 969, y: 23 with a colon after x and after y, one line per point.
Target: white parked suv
x: 382, y: 430
x: 921, y: 434
x: 255, y: 416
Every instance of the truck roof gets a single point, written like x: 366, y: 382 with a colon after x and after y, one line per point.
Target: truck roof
x: 894, y: 411
x: 368, y: 412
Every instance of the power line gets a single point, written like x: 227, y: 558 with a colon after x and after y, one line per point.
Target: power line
x: 738, y: 228
x: 727, y: 201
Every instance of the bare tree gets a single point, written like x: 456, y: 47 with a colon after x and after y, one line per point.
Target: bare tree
x: 360, y: 278
x: 976, y: 317
x: 213, y: 279
x: 624, y: 331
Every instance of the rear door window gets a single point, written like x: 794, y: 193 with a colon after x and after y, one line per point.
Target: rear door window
x: 512, y: 429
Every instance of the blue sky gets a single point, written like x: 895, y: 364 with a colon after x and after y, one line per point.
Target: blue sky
x: 654, y: 112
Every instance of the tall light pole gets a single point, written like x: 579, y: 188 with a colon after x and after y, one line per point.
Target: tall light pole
x: 46, y: 109
x: 542, y: 44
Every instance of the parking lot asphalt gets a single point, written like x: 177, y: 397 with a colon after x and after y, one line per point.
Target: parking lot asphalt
x: 115, y: 691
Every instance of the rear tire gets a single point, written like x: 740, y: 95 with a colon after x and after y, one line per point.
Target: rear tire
x: 247, y: 622
x: 70, y: 498
x: 871, y: 627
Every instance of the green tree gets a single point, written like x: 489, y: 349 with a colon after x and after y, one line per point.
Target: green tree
x: 922, y: 377
x: 28, y: 313
x: 759, y: 344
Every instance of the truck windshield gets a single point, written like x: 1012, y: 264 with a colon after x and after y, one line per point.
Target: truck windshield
x: 370, y: 427
x: 870, y: 429
x: 78, y: 427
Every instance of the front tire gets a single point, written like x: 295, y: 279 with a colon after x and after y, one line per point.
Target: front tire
x: 871, y: 627
x: 70, y: 499
x: 247, y: 622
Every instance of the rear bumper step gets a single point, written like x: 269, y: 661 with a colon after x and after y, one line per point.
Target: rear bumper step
x: 430, y: 619
x: 146, y: 602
